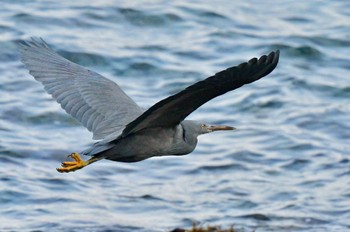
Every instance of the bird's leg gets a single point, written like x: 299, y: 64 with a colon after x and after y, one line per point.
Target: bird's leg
x: 78, y: 163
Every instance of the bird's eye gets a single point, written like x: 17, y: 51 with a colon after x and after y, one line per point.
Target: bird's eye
x: 203, y: 125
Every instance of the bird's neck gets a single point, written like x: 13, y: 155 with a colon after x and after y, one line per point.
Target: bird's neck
x: 187, y: 137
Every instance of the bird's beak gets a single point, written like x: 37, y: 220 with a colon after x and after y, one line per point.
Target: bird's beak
x: 217, y: 128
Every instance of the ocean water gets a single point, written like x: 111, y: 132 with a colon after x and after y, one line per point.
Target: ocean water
x: 286, y: 168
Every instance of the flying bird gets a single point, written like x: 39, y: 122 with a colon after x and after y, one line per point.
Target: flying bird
x: 125, y: 132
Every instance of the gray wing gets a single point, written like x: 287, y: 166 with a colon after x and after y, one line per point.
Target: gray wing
x: 97, y: 102
x: 174, y: 109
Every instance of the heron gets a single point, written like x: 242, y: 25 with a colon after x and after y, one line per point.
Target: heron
x: 123, y: 130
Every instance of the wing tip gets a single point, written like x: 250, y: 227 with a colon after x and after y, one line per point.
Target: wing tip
x: 33, y: 42
x: 270, y: 62
x: 29, y: 48
x: 273, y: 58
x: 275, y: 55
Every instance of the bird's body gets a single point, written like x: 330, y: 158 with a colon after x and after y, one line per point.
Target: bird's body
x: 139, y: 146
x: 125, y: 132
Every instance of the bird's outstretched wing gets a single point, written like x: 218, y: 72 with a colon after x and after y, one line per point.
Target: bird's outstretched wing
x: 176, y: 108
x: 97, y: 102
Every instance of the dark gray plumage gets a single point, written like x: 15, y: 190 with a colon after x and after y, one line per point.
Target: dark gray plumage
x: 126, y: 133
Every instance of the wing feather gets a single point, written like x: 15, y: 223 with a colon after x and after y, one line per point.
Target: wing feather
x: 92, y: 99
x: 174, y: 109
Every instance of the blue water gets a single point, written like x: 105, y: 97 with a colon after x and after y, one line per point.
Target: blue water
x: 286, y: 168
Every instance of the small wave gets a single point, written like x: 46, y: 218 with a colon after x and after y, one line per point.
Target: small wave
x: 219, y: 168
x: 304, y: 52
x: 85, y: 59
x: 297, y: 164
x: 256, y: 216
x: 140, y: 18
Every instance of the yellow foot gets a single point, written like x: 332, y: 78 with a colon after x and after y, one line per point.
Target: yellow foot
x: 71, y: 166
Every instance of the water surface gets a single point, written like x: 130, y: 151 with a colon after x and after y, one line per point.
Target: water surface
x: 286, y: 168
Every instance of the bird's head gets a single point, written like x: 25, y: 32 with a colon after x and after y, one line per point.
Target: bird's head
x: 198, y: 128
x: 205, y: 128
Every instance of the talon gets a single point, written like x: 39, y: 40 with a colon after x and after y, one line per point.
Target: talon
x: 78, y: 163
x: 68, y: 163
x: 71, y: 166
x: 76, y: 157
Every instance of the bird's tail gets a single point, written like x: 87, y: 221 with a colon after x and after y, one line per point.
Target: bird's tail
x: 97, y: 149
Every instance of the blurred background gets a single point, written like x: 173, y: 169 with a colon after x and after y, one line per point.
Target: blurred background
x: 286, y: 168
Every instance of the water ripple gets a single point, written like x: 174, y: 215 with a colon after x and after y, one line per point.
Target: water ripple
x: 286, y: 168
